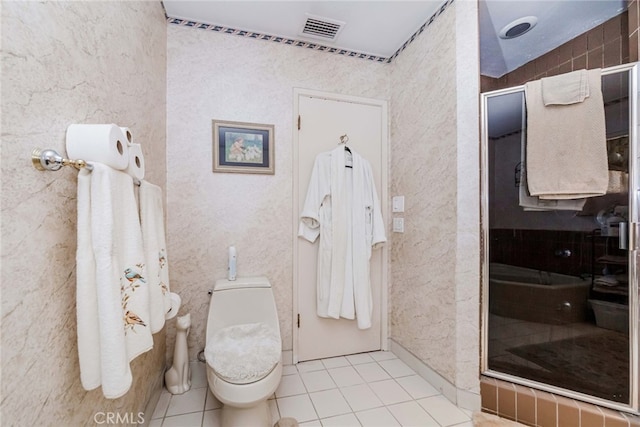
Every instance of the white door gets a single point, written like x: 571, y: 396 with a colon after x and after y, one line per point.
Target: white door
x: 323, y: 118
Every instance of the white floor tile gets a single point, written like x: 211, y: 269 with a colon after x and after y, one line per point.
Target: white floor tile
x: 371, y: 372
x: 314, y: 423
x: 389, y: 392
x: 411, y: 414
x: 198, y: 374
x: 186, y: 420
x: 379, y: 417
x: 467, y: 424
x: 382, y: 355
x: 307, y: 392
x: 298, y: 407
x: 162, y: 405
x: 317, y: 381
x: 361, y: 397
x: 212, y: 402
x: 273, y: 410
x: 396, y: 368
x: 345, y: 376
x: 290, y: 385
x: 289, y: 370
x: 212, y: 418
x: 335, y: 362
x: 191, y: 401
x: 417, y: 386
x: 329, y: 403
x: 348, y: 420
x: 443, y: 411
x: 356, y: 359
x: 311, y: 365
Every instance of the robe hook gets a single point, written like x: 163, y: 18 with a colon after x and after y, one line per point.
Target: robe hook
x: 344, y: 139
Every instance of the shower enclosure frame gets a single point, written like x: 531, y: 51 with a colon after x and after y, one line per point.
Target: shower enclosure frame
x: 633, y: 405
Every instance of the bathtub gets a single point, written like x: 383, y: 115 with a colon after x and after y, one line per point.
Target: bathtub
x: 537, y: 296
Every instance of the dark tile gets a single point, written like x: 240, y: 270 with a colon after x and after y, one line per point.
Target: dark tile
x: 506, y: 401
x: 568, y: 412
x: 579, y: 45
x: 566, y: 67
x: 613, y: 418
x: 613, y: 28
x: 489, y: 395
x: 590, y: 415
x: 525, y: 406
x: 546, y: 409
x: 564, y: 54
x: 594, y: 58
x: 633, y: 16
x: 580, y: 62
x: 633, y: 47
x: 613, y: 53
x: 595, y: 38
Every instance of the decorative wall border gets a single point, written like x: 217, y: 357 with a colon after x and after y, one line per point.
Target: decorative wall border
x: 309, y: 45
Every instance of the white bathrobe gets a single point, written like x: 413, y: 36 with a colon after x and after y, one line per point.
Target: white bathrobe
x: 342, y: 207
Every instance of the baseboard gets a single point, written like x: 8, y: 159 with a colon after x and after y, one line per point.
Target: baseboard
x: 462, y: 398
x: 153, y: 400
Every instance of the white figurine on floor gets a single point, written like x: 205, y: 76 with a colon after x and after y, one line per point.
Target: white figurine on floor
x: 178, y: 378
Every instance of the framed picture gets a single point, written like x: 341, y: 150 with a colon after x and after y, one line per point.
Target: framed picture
x: 242, y: 147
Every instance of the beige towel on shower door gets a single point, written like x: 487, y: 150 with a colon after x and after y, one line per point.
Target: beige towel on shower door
x: 566, y: 144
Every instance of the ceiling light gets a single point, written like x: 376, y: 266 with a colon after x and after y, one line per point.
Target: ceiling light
x: 518, y: 27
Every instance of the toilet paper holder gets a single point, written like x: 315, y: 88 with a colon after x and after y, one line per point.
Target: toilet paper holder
x: 50, y: 160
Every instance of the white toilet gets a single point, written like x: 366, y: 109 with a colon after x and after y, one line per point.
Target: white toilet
x: 243, y: 350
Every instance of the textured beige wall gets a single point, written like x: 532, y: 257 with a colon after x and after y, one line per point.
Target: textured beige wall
x: 434, y: 284
x: 64, y: 63
x: 220, y: 76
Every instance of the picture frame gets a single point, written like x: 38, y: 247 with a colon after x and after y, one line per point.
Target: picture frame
x: 241, y: 147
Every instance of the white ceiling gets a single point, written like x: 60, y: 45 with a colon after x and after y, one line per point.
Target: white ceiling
x: 381, y: 27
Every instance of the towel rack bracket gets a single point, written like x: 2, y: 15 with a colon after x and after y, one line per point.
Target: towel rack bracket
x: 50, y: 160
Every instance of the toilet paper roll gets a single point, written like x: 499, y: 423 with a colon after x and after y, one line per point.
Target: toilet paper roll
x: 127, y: 134
x: 98, y: 143
x: 136, y: 162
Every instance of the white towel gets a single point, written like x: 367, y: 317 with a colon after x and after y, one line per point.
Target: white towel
x: 531, y: 203
x: 112, y: 293
x: 565, y: 89
x: 566, y: 145
x: 155, y: 249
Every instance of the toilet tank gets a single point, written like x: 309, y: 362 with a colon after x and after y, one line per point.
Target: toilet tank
x: 244, y: 300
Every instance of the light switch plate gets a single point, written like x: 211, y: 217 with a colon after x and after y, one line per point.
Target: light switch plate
x: 397, y: 204
x: 398, y: 225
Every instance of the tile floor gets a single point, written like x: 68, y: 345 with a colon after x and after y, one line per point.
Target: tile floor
x: 368, y: 389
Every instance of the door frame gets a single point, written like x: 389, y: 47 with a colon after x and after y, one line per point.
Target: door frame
x: 384, y: 202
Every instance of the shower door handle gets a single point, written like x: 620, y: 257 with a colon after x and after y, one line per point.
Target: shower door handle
x: 623, y: 236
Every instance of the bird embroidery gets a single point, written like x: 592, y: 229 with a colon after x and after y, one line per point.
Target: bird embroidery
x: 133, y: 275
x: 131, y: 319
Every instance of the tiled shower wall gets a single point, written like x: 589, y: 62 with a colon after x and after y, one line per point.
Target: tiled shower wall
x: 545, y: 249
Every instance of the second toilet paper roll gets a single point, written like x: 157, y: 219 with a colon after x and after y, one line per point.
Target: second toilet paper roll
x: 128, y: 135
x: 136, y: 162
x: 98, y: 143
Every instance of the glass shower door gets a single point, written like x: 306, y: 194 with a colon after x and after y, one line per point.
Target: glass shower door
x: 560, y: 288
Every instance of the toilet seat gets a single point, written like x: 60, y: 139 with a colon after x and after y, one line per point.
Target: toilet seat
x: 242, y: 354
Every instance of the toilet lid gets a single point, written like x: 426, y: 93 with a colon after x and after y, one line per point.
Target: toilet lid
x: 242, y: 354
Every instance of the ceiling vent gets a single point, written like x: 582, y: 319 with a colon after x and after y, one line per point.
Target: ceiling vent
x: 321, y: 28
